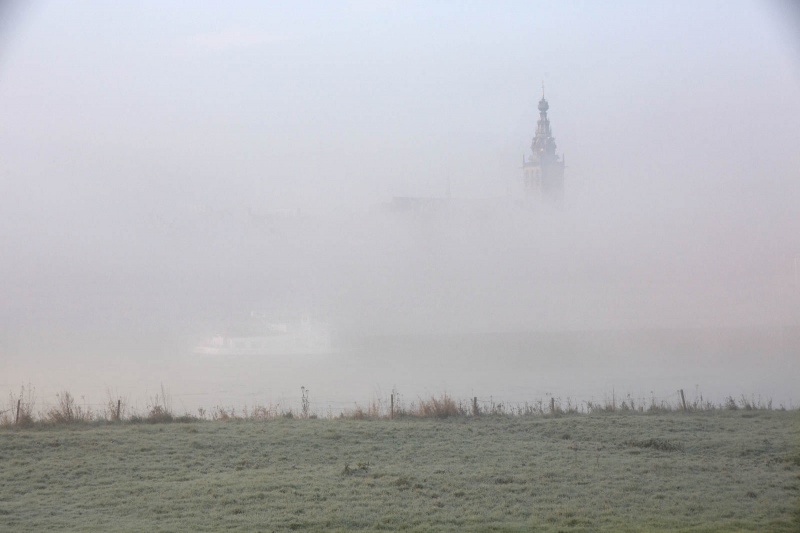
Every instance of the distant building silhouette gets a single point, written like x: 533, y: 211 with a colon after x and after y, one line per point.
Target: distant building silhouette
x: 543, y: 170
x: 542, y: 181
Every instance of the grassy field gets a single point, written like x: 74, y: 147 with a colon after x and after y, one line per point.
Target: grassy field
x: 708, y: 471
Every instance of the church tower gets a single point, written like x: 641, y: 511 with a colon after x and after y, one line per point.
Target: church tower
x: 543, y: 170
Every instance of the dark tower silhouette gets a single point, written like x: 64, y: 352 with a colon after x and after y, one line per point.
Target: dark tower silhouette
x: 543, y: 170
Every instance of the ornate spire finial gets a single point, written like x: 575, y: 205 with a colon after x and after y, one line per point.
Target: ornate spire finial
x: 543, y: 169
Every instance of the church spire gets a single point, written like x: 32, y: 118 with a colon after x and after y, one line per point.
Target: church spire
x: 543, y: 142
x: 543, y: 169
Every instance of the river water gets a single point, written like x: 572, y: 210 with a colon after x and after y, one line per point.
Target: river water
x: 643, y: 365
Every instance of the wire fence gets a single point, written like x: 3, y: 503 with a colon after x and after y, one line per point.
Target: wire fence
x: 254, y: 404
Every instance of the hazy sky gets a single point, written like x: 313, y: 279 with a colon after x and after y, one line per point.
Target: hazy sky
x: 141, y: 106
x: 679, y: 122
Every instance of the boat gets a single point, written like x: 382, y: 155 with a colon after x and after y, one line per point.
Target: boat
x: 260, y: 335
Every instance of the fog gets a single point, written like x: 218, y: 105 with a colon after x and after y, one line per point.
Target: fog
x: 172, y: 170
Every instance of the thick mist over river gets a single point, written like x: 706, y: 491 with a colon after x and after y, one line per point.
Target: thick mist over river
x: 478, y: 298
x: 169, y: 178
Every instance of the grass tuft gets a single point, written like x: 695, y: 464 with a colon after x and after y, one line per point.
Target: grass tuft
x: 442, y: 407
x: 67, y: 411
x: 20, y: 409
x: 360, y: 469
x: 662, y: 445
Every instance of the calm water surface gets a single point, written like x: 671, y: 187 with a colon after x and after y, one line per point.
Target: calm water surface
x: 512, y: 368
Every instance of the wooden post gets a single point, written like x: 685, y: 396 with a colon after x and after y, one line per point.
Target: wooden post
x: 475, y: 411
x: 391, y: 407
x: 552, y: 405
x: 16, y: 419
x: 683, y: 400
x: 119, y: 408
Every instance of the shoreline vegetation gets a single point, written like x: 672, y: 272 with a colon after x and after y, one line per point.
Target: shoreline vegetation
x: 22, y: 410
x: 711, y: 470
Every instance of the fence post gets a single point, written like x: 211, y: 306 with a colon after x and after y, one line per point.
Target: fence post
x: 305, y: 405
x: 119, y: 408
x: 16, y: 419
x: 475, y: 411
x: 683, y: 400
x: 552, y: 405
x: 391, y: 407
